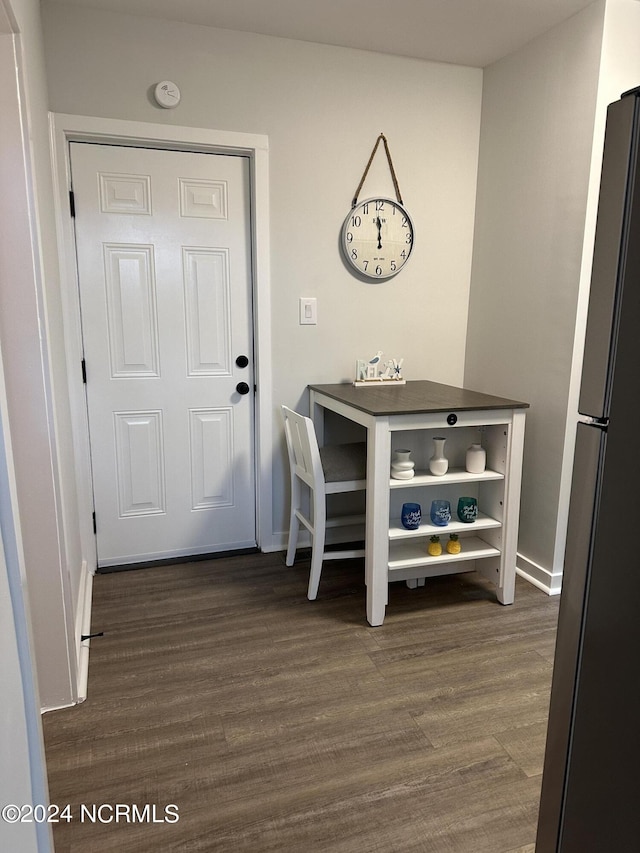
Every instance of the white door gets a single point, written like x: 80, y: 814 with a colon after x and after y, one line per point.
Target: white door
x: 164, y: 265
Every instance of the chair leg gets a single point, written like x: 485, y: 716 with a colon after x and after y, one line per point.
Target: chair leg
x: 293, y: 540
x: 294, y: 524
x: 317, y: 545
x: 316, y: 567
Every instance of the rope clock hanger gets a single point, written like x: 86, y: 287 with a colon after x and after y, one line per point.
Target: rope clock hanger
x: 377, y: 235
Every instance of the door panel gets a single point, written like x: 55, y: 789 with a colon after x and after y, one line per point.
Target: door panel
x: 164, y: 266
x: 132, y: 320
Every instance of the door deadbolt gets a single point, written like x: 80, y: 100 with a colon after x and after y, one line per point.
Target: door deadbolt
x: 242, y: 361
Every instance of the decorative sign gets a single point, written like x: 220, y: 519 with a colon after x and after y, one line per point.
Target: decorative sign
x: 375, y: 371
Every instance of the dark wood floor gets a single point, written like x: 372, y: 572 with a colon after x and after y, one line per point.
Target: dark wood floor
x: 278, y: 724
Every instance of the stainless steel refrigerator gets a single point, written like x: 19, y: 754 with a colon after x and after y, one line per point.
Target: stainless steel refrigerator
x: 590, y: 800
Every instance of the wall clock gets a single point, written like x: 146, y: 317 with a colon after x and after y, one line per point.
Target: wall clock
x: 377, y: 238
x: 377, y: 235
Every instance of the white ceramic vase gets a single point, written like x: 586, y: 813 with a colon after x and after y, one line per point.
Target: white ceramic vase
x: 438, y: 464
x: 476, y: 459
x: 402, y: 468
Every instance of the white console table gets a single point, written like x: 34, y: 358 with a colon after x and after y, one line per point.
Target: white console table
x: 409, y: 416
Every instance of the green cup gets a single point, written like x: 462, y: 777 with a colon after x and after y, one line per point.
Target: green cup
x: 467, y: 510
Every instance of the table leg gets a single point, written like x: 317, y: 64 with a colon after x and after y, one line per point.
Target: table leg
x: 316, y: 413
x: 506, y: 586
x: 377, y: 527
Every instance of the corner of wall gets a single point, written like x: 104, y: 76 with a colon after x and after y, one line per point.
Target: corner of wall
x: 548, y: 581
x: 533, y: 190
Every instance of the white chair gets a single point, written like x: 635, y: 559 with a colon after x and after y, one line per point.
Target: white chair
x: 326, y: 471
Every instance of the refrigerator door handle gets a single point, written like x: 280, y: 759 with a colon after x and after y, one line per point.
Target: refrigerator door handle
x: 592, y: 420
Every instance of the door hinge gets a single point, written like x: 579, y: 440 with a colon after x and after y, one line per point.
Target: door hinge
x: 84, y: 371
x: 95, y: 526
x: 72, y: 204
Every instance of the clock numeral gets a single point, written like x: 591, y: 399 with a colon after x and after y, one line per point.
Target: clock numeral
x: 365, y: 208
x: 365, y: 264
x: 408, y: 240
x: 379, y: 205
x: 349, y: 237
x: 356, y: 221
x: 405, y: 222
x: 393, y: 266
x: 403, y: 255
x: 354, y: 254
x: 378, y: 270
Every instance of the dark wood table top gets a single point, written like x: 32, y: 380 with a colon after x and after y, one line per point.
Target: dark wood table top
x: 416, y: 397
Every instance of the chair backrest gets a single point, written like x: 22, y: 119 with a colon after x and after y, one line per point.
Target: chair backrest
x: 302, y: 446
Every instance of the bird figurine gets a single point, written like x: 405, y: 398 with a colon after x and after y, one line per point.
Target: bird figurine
x: 376, y: 357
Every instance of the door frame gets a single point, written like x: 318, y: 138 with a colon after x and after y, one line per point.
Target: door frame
x: 64, y: 129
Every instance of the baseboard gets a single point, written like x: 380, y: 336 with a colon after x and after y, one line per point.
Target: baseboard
x: 549, y: 582
x: 46, y: 709
x: 83, y: 629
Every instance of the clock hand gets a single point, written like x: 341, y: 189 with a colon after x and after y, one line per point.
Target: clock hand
x: 379, y: 224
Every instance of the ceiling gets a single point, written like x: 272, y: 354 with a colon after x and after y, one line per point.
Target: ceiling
x: 465, y: 32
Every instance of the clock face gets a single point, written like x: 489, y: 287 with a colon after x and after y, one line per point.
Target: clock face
x: 377, y: 238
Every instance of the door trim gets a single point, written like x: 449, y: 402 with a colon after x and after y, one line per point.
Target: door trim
x: 72, y: 128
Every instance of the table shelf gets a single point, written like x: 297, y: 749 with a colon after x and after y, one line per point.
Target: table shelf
x: 453, y: 475
x: 399, y: 533
x: 413, y: 554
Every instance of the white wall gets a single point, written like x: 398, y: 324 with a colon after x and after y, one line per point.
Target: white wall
x: 322, y: 109
x: 32, y: 343
x: 538, y: 114
x: 22, y: 769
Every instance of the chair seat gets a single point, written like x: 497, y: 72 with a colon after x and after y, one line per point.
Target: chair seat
x: 344, y: 461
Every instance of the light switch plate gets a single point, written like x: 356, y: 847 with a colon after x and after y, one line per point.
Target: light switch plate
x: 308, y: 311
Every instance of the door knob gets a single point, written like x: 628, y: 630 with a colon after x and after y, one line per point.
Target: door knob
x: 242, y: 388
x: 242, y: 361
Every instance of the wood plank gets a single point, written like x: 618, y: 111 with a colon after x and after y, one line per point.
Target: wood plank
x: 279, y: 724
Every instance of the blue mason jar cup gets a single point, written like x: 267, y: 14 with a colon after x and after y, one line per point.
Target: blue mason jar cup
x: 440, y: 513
x: 411, y: 516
